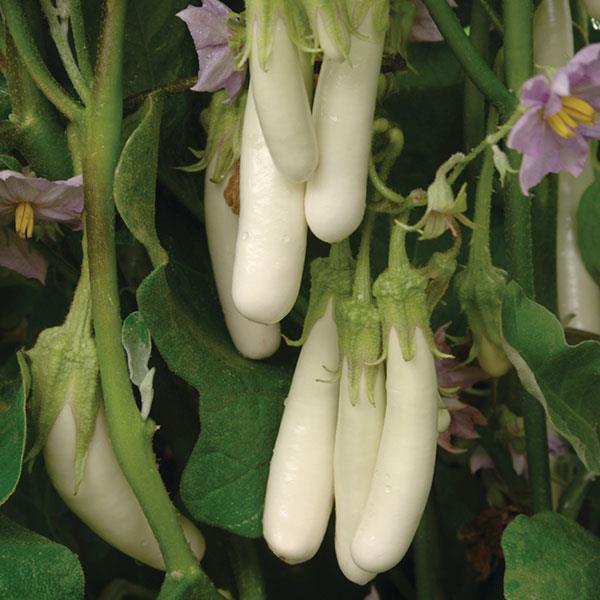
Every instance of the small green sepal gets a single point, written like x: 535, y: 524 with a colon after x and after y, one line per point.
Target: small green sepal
x: 330, y: 18
x: 261, y: 18
x: 64, y: 370
x: 359, y: 335
x: 331, y: 277
x: 479, y: 288
x: 222, y: 122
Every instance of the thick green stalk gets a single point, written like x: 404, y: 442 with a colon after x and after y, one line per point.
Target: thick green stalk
x: 474, y: 101
x: 64, y: 51
x: 246, y: 569
x: 573, y: 497
x: 80, y: 40
x: 428, y: 559
x: 130, y: 435
x: 518, y: 54
x: 16, y: 19
x: 477, y: 69
x: 40, y: 137
x: 361, y: 289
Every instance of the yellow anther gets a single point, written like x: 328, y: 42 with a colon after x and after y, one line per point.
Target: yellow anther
x: 574, y: 112
x: 559, y: 126
x: 24, y: 219
x: 579, y: 109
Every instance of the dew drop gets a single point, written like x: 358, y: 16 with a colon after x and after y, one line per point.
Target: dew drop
x: 388, y: 489
x: 245, y: 235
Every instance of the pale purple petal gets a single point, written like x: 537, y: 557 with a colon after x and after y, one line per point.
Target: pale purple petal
x: 528, y: 132
x: 209, y: 30
x: 218, y: 67
x: 556, y: 445
x: 18, y: 255
x: 58, y: 201
x: 561, y: 84
x: 584, y: 69
x: 480, y: 459
x: 207, y: 24
x: 535, y: 91
x: 555, y: 154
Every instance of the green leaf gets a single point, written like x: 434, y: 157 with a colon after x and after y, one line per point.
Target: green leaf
x: 549, y: 557
x: 136, y: 340
x: 158, y: 47
x: 13, y: 395
x: 135, y: 179
x: 240, y: 401
x: 565, y: 379
x: 588, y: 229
x: 32, y: 566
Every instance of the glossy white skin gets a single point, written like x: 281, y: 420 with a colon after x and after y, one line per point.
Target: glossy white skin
x: 356, y: 444
x: 343, y: 113
x: 283, y: 108
x: 578, y: 294
x: 552, y: 34
x: 300, y: 487
x: 271, y: 241
x: 405, y: 461
x: 253, y: 340
x: 105, y: 502
x: 593, y: 8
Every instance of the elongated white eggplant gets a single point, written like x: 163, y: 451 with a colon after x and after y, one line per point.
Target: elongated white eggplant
x: 253, y: 340
x: 300, y: 487
x: 405, y: 460
x: 356, y: 443
x: 271, y: 241
x: 105, y: 501
x: 343, y: 113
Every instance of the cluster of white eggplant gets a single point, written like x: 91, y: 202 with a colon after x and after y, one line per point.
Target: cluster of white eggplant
x: 353, y: 431
x: 297, y: 166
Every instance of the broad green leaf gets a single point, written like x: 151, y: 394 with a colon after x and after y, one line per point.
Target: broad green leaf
x: 550, y: 557
x: 32, y: 566
x: 135, y: 179
x: 240, y: 401
x: 158, y: 47
x: 588, y: 229
x: 13, y: 395
x: 565, y: 379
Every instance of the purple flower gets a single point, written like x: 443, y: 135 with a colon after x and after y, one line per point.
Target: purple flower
x: 16, y: 254
x: 455, y: 376
x: 423, y: 28
x: 209, y: 30
x: 563, y: 115
x: 28, y: 200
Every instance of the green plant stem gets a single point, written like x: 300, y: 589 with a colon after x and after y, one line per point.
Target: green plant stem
x: 428, y: 559
x: 474, y: 100
x: 340, y: 253
x: 479, y: 248
x: 14, y: 15
x: 246, y: 568
x: 173, y: 87
x: 361, y: 289
x: 491, y: 14
x: 397, y: 257
x: 82, y: 50
x: 38, y: 135
x: 518, y: 55
x: 64, y: 51
x: 574, y: 495
x: 381, y: 188
x: 130, y: 435
x: 477, y: 69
